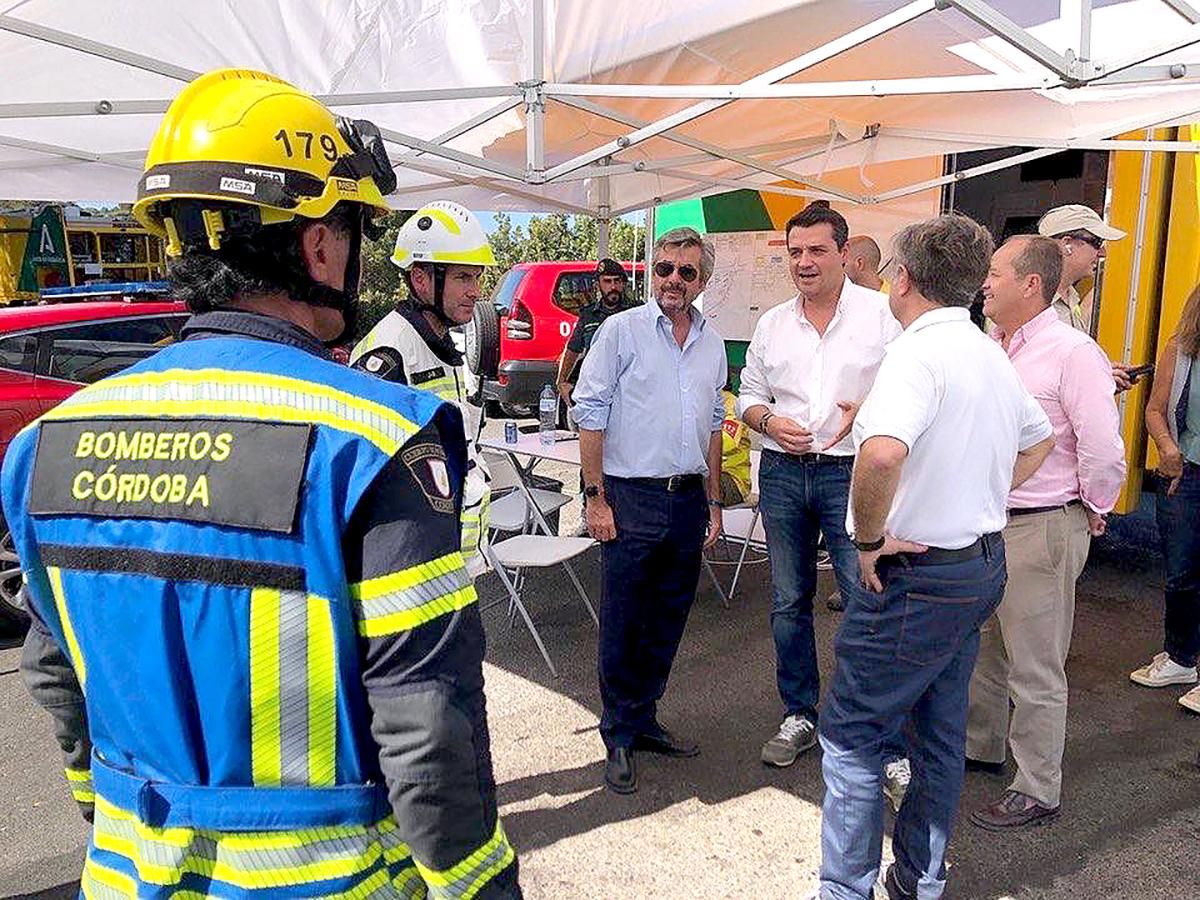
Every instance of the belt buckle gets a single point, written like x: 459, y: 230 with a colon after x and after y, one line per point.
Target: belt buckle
x: 674, y: 483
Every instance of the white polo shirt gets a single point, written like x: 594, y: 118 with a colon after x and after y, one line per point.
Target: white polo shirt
x: 803, y: 375
x: 951, y: 395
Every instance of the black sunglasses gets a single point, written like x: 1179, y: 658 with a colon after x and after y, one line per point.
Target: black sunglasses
x: 1088, y: 238
x: 687, y: 273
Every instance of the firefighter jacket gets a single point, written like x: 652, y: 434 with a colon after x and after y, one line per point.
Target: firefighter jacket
x: 403, y: 348
x: 249, y: 604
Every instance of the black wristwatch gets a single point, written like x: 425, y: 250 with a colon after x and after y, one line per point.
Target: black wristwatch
x: 869, y: 546
x: 591, y: 490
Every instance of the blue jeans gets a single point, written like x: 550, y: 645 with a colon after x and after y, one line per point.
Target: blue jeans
x: 798, y: 498
x: 903, y: 655
x: 649, y: 582
x: 1179, y: 530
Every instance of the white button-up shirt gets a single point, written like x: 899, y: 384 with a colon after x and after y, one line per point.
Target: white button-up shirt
x: 949, y: 393
x: 802, y: 374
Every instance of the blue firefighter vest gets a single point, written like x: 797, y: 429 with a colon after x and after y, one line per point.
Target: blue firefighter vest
x: 183, y: 544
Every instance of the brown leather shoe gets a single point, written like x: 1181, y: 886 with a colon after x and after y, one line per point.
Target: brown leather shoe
x: 1013, y: 810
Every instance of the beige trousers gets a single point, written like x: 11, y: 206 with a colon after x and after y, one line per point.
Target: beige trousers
x: 1023, y: 652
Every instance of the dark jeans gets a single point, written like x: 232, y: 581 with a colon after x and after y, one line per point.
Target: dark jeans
x: 1179, y: 529
x: 650, y: 575
x: 797, y: 500
x: 904, y: 655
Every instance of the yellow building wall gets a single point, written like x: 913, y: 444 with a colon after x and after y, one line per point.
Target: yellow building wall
x: 1129, y: 312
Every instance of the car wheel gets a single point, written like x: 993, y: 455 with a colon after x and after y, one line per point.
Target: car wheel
x: 12, y: 608
x: 482, y: 335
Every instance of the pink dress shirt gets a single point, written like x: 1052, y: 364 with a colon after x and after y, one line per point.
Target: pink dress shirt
x: 1071, y: 377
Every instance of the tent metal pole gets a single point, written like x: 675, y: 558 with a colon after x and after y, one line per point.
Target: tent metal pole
x: 467, y: 159
x: 463, y: 127
x: 95, y: 48
x: 535, y: 100
x: 1185, y: 9
x: 946, y: 84
x: 1008, y: 140
x: 374, y: 98
x: 761, y: 188
x: 691, y: 159
x: 1012, y: 33
x: 848, y: 41
x: 1135, y: 274
x: 648, y: 252
x: 603, y: 214
x: 716, y: 151
x: 112, y: 159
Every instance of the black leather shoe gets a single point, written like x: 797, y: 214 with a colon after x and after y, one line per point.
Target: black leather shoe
x: 659, y: 740
x: 620, y: 774
x: 894, y: 890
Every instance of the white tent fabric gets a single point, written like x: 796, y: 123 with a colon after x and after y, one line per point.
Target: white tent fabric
x: 518, y: 104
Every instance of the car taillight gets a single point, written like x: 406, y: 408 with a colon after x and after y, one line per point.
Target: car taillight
x: 520, y: 323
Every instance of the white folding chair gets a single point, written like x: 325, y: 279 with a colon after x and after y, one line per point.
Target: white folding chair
x: 510, y: 511
x: 747, y: 538
x: 512, y: 556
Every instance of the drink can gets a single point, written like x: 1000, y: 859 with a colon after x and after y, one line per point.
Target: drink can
x: 510, y: 432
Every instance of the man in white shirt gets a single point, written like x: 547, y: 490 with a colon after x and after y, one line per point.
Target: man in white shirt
x: 946, y: 432
x: 810, y: 364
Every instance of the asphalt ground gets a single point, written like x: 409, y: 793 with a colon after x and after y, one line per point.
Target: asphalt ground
x: 723, y: 825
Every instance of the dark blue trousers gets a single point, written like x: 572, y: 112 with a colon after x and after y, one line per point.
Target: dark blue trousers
x: 650, y: 575
x: 903, y: 656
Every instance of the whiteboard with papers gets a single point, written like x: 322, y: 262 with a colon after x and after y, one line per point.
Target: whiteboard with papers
x: 749, y: 277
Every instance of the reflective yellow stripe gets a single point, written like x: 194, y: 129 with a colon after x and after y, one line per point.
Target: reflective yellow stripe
x: 238, y: 394
x: 100, y: 883
x: 79, y: 775
x: 265, y: 749
x: 403, y: 600
x: 464, y: 880
x: 60, y: 601
x: 410, y: 885
x: 322, y: 694
x: 249, y: 860
x: 83, y: 796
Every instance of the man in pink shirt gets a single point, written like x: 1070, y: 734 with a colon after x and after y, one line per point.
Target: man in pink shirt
x: 1051, y: 520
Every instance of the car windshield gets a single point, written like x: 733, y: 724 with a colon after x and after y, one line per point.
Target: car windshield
x: 502, y: 297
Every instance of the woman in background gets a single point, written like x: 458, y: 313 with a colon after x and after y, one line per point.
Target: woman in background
x: 1173, y: 422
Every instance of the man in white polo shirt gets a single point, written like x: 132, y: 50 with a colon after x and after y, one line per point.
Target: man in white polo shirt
x: 944, y: 435
x: 808, y: 367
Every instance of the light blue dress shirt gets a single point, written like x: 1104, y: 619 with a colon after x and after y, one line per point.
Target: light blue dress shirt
x: 657, y: 404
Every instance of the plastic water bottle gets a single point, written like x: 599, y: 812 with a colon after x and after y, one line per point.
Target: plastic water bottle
x: 547, y: 415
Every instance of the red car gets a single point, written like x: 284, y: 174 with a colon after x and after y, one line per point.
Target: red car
x: 48, y: 353
x: 515, y: 339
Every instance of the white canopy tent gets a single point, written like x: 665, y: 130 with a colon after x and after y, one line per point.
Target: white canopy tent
x: 608, y: 107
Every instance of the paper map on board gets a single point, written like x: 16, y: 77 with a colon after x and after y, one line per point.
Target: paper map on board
x: 749, y: 277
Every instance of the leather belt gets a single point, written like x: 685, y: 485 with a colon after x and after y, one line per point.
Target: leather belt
x: 1033, y: 510
x: 671, y: 485
x: 940, y: 556
x: 815, y: 459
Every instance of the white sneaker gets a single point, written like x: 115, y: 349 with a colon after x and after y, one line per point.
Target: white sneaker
x: 896, y: 776
x: 1163, y: 671
x: 1191, y: 700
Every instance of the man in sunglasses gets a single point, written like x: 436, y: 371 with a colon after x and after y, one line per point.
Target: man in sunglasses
x: 649, y: 408
x: 1081, y: 234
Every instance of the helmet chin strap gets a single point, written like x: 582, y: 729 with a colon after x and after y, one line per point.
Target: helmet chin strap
x: 437, y: 306
x: 345, y: 300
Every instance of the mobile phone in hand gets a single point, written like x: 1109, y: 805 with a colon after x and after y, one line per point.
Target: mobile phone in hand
x: 1136, y: 372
